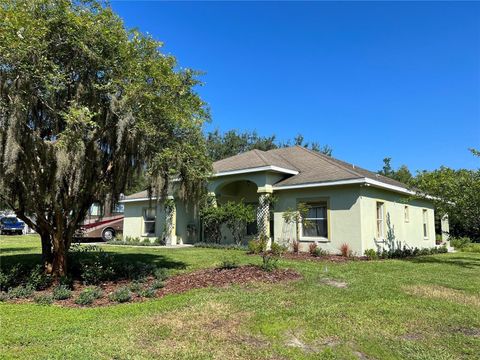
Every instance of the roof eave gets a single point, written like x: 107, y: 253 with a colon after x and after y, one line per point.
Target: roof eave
x: 256, y: 169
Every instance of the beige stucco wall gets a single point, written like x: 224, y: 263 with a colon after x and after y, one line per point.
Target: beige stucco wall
x: 408, y: 233
x: 351, y: 214
x: 343, y: 216
x: 133, y: 225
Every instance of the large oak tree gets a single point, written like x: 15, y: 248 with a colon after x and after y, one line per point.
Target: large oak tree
x: 85, y: 105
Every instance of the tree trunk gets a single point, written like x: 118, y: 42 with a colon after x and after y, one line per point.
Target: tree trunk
x: 47, y: 254
x: 59, y: 264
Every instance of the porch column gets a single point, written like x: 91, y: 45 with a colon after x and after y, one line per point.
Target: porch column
x: 212, y: 198
x: 263, y: 210
x: 170, y: 221
x: 445, y: 227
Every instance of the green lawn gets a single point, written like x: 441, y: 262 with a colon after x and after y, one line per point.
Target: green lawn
x: 427, y: 308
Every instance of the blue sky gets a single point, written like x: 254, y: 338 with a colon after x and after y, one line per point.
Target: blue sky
x: 369, y: 79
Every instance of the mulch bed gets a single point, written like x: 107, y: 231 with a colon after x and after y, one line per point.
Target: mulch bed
x: 333, y: 258
x: 182, y: 283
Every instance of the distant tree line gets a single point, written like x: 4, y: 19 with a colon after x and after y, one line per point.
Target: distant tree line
x: 454, y: 192
x: 233, y: 142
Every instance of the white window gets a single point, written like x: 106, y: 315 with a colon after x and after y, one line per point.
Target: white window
x: 425, y: 224
x: 149, y: 216
x: 315, y: 224
x: 380, y: 220
x: 407, y: 214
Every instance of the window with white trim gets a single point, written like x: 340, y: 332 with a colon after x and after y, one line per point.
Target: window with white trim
x: 425, y: 224
x: 315, y: 223
x: 406, y: 213
x: 380, y: 220
x: 149, y: 217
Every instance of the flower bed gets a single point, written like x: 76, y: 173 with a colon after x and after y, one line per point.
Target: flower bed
x: 149, y: 288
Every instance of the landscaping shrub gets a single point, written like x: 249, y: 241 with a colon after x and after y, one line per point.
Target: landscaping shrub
x: 12, y: 277
x: 312, y: 248
x: 160, y: 241
x: 160, y: 274
x: 157, y: 284
x: 135, y: 287
x: 473, y: 248
x: 269, y: 262
x: 371, y: 254
x: 270, y: 258
x: 89, y: 295
x: 277, y: 249
x: 295, y: 246
x: 319, y: 252
x: 21, y: 292
x: 229, y: 263
x: 148, y: 293
x: 62, y: 292
x: 66, y: 280
x: 4, y: 296
x: 258, y: 246
x: 401, y: 253
x: 460, y: 243
x: 211, y: 245
x: 121, y: 295
x: 345, y: 250
x: 37, y: 278
x: 135, y: 240
x: 43, y: 299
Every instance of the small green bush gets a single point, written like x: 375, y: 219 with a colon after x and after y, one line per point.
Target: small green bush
x: 209, y: 245
x: 229, y: 263
x: 472, y: 248
x: 319, y: 252
x: 12, y: 277
x: 4, y: 296
x: 89, y: 295
x: 135, y: 287
x: 371, y: 254
x: 21, y: 292
x: 121, y: 295
x: 157, y: 284
x: 277, y: 249
x: 269, y: 262
x: 38, y: 279
x: 257, y: 246
x: 43, y: 299
x: 161, y: 274
x: 62, y: 292
x: 148, y: 293
x: 136, y: 240
x: 460, y: 243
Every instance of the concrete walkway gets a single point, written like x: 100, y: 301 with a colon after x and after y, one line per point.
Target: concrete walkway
x: 180, y: 246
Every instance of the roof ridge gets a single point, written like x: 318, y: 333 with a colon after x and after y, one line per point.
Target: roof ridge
x: 329, y: 159
x: 258, y: 153
x: 281, y: 157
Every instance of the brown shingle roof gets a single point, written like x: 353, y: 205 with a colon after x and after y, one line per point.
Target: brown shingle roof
x: 252, y: 159
x: 139, y: 195
x: 312, y: 167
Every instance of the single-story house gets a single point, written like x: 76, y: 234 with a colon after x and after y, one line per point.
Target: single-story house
x: 346, y: 204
